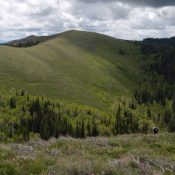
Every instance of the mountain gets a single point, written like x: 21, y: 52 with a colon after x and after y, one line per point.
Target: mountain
x: 32, y: 37
x: 83, y: 67
x: 33, y: 40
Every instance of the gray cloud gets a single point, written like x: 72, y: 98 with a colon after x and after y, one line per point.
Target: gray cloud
x: 100, y: 11
x: 127, y: 19
x: 46, y: 11
x: 151, y: 3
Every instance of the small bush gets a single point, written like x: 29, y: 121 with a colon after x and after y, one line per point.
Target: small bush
x: 7, y: 169
x: 114, y: 143
x: 134, y: 165
x: 106, y: 132
x: 117, y: 152
x: 33, y: 167
x: 168, y: 149
x: 4, y: 155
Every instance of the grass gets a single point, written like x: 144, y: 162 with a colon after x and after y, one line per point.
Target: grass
x: 81, y: 67
x: 127, y: 154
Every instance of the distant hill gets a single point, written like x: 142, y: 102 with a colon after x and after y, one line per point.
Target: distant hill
x: 30, y: 41
x: 83, y: 67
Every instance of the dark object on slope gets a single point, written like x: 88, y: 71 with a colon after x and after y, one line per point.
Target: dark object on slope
x: 155, y: 130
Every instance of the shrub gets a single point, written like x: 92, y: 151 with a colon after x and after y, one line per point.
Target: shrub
x: 117, y: 152
x: 105, y: 131
x: 4, y: 155
x: 7, y: 169
x: 33, y: 167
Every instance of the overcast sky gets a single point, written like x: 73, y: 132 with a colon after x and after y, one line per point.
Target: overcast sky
x: 127, y: 19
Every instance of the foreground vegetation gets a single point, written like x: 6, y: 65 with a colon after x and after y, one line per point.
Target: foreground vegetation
x: 121, y: 155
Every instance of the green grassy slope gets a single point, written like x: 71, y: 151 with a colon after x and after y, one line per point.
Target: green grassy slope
x: 78, y: 66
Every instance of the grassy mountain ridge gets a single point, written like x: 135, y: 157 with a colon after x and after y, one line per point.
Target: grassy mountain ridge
x: 32, y: 38
x: 84, y: 67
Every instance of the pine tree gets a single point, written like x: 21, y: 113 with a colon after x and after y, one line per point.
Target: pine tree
x: 77, y: 135
x: 89, y: 129
x: 12, y: 102
x: 94, y: 130
x: 149, y: 113
x: 44, y: 130
x: 118, y: 121
x: 171, y: 125
x: 24, y: 128
x: 11, y: 130
x: 158, y: 118
x: 82, y: 133
x: 22, y: 93
x: 173, y: 106
x: 1, y: 101
x: 56, y: 128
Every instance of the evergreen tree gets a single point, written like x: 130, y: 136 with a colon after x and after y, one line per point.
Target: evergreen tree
x: 149, y: 113
x: 77, y: 133
x: 173, y: 106
x: 12, y: 102
x: 44, y: 130
x: 95, y: 132
x: 22, y: 93
x: 11, y: 130
x: 82, y: 134
x: 89, y: 129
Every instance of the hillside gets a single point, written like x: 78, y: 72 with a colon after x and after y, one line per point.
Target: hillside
x: 83, y: 67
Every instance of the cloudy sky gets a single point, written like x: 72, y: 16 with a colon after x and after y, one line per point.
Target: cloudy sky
x: 127, y: 19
